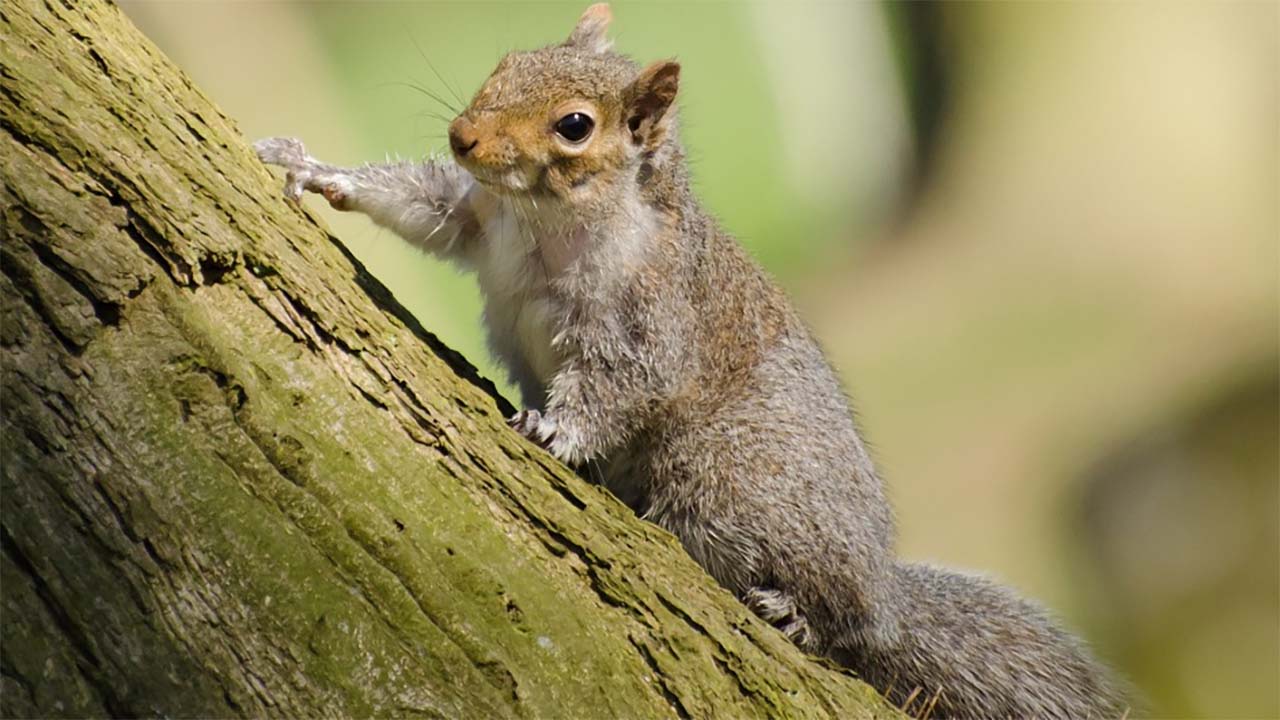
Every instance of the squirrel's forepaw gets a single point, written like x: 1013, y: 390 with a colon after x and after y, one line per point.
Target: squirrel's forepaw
x: 779, y: 610
x: 303, y: 172
x: 285, y: 152
x: 547, y: 433
x: 533, y: 425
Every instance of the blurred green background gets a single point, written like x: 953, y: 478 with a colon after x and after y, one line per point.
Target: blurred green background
x: 1039, y: 241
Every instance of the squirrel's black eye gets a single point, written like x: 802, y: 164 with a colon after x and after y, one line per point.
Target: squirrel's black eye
x: 575, y: 127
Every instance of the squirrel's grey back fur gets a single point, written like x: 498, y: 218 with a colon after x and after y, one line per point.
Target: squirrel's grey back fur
x: 648, y: 345
x: 754, y: 462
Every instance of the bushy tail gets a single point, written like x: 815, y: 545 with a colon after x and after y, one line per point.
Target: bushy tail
x: 964, y: 647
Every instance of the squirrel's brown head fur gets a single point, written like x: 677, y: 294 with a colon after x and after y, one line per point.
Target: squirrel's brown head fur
x: 566, y: 120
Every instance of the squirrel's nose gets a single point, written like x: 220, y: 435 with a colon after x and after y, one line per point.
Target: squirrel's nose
x: 462, y: 136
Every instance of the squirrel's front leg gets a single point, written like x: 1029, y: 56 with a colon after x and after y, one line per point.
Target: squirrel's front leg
x: 426, y: 203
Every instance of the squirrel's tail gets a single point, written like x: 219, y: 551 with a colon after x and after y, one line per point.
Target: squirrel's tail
x: 964, y: 647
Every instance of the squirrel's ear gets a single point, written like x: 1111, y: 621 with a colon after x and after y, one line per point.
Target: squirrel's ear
x: 648, y: 101
x: 589, y: 33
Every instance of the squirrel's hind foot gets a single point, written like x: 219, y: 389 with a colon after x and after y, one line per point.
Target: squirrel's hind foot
x: 779, y: 610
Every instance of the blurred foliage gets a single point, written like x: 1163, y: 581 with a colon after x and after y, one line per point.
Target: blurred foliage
x: 1195, y: 555
x: 1060, y: 331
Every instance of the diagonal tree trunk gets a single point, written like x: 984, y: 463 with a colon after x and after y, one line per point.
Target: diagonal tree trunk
x: 239, y: 479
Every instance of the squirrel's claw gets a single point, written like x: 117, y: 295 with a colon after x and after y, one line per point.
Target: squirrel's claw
x: 779, y: 610
x: 533, y: 425
x: 552, y: 436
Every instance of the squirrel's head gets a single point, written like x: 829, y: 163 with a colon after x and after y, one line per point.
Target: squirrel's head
x: 566, y: 120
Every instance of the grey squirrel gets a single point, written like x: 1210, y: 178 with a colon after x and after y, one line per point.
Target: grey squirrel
x: 645, y: 341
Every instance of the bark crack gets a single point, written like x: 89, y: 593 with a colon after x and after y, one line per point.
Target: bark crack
x: 107, y: 311
x: 24, y: 282
x: 87, y: 661
x: 660, y: 678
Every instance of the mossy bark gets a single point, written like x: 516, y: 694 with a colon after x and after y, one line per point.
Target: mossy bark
x: 239, y: 479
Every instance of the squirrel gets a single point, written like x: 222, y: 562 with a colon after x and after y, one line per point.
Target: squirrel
x: 645, y: 341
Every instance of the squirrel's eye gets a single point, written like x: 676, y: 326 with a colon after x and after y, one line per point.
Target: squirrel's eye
x: 575, y: 127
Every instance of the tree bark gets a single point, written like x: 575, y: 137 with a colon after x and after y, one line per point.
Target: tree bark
x: 240, y: 479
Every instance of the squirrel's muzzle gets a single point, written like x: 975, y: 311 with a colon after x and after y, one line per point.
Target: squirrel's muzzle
x: 462, y: 136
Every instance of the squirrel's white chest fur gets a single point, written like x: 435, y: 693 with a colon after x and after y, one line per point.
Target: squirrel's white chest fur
x: 521, y: 314
x: 527, y: 260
